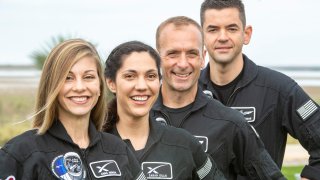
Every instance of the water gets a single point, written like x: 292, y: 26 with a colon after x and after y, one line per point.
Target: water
x: 303, y: 77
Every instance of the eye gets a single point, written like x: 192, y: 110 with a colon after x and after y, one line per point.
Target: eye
x: 212, y: 30
x: 69, y: 78
x: 129, y: 76
x: 152, y: 76
x: 172, y: 54
x: 89, y: 77
x: 233, y: 29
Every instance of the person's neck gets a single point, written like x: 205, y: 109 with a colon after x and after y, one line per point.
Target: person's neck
x: 177, y: 99
x: 223, y: 74
x: 78, y: 130
x: 135, y: 129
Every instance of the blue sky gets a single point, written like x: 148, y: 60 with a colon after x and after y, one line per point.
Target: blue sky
x: 285, y: 32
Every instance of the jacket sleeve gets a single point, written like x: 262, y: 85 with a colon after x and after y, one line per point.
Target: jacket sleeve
x: 207, y: 168
x: 301, y: 118
x: 251, y: 158
x: 135, y: 167
x: 9, y: 167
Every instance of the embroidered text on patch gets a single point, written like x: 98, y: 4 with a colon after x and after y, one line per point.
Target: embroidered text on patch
x: 307, y: 109
x: 157, y: 170
x: 105, y: 168
x: 249, y: 113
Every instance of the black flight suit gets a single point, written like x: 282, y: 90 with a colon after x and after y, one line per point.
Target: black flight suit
x: 275, y: 105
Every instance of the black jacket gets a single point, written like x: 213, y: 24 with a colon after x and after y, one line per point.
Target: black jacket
x: 276, y: 105
x: 226, y: 137
x: 53, y: 155
x: 173, y: 153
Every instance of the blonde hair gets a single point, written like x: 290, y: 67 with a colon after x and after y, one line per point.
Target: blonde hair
x: 54, y: 72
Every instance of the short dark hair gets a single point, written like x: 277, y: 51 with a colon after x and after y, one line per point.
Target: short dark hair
x: 222, y: 4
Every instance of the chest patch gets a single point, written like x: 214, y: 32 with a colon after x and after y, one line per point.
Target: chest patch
x: 157, y: 170
x: 68, y: 166
x: 105, y: 168
x: 203, y: 140
x: 249, y: 113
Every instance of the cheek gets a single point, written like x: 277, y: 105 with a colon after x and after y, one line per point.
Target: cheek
x: 95, y: 88
x: 155, y: 86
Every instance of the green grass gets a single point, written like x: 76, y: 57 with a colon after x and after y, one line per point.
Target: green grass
x: 290, y: 171
x: 15, y: 107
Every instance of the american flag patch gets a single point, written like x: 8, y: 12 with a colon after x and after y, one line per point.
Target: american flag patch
x: 307, y: 109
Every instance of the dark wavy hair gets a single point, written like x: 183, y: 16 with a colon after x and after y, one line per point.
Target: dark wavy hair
x: 113, y: 63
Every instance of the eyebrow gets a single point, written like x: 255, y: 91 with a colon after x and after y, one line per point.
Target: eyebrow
x: 87, y: 71
x: 230, y: 25
x: 233, y: 25
x: 134, y: 71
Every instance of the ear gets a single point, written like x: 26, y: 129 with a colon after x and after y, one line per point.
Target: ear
x: 203, y: 61
x: 111, y: 85
x: 247, y: 35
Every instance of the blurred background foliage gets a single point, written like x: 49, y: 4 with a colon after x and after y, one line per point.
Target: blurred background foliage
x: 40, y: 55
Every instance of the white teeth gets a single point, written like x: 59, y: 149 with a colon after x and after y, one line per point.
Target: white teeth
x: 140, y: 98
x: 79, y: 99
x: 183, y: 75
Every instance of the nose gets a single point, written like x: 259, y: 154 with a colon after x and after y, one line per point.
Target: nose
x: 183, y: 61
x: 141, y: 84
x: 223, y: 36
x: 79, y: 85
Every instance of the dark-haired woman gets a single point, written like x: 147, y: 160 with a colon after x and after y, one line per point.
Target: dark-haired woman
x: 133, y: 74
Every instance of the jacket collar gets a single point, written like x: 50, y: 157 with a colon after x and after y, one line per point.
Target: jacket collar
x: 200, y: 100
x: 58, y: 131
x: 250, y: 72
x: 155, y: 132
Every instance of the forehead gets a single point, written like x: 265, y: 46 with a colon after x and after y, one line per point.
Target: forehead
x: 85, y: 63
x: 224, y: 16
x: 138, y: 61
x: 184, y: 36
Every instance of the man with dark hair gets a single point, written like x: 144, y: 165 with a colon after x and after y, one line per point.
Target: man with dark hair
x: 222, y: 131
x: 270, y: 101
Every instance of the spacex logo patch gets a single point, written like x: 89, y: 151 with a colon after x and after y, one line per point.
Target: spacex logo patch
x: 105, y: 168
x: 203, y: 140
x: 157, y: 170
x: 249, y: 113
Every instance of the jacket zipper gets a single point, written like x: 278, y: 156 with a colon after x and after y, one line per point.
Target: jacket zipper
x: 185, y: 117
x: 85, y: 163
x: 169, y: 120
x: 233, y: 93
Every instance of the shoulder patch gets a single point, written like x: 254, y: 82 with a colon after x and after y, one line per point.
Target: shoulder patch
x: 306, y: 110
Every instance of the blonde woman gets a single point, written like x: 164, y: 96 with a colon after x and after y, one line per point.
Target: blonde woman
x: 66, y: 142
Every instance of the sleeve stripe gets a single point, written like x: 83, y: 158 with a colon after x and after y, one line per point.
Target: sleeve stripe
x: 141, y: 177
x: 204, y: 171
